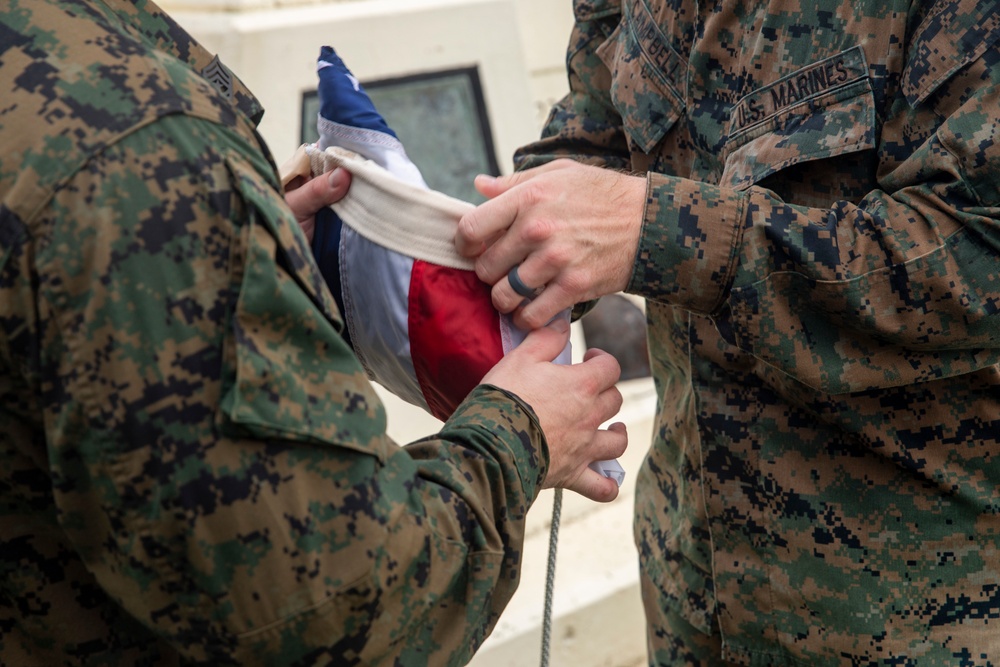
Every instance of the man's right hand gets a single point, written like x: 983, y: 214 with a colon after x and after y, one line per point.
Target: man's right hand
x: 571, y: 403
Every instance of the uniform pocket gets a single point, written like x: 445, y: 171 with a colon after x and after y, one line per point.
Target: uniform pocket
x: 644, y: 68
x: 953, y: 35
x: 289, y: 373
x: 819, y: 111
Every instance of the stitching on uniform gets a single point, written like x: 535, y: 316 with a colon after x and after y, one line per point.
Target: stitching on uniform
x: 790, y: 110
x: 961, y: 167
x: 661, y: 78
x: 738, y: 229
x: 844, y: 281
x: 704, y: 495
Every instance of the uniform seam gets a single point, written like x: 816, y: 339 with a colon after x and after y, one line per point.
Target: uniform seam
x: 960, y: 165
x: 736, y: 234
x: 884, y: 269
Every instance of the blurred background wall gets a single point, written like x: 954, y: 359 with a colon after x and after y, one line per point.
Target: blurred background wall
x: 515, y: 47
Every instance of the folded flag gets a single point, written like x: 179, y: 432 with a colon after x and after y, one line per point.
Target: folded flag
x: 419, y: 319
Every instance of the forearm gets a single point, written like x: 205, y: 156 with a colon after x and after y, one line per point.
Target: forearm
x: 433, y: 536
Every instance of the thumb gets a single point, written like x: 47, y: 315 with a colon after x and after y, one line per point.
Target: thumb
x: 493, y: 186
x: 318, y: 193
x: 545, y: 343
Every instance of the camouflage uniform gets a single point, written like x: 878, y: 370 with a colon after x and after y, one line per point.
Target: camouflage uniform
x: 194, y: 467
x: 820, y: 252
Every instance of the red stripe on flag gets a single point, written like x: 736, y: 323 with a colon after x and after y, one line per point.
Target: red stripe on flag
x: 454, y: 334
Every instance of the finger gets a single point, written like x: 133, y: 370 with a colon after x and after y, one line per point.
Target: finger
x: 483, y: 223
x: 546, y: 343
x: 592, y: 352
x: 609, y: 403
x: 607, y: 444
x: 318, y: 193
x: 603, y: 407
x: 620, y: 444
x: 492, y: 186
x: 477, y: 228
x: 602, y: 366
x: 535, y: 313
x: 533, y: 273
x: 595, y: 486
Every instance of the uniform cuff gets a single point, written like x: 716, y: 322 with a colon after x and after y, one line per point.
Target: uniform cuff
x: 513, y: 422
x: 688, y: 244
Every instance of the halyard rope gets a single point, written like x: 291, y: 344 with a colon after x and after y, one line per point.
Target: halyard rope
x: 550, y: 577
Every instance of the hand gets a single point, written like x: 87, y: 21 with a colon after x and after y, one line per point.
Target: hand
x: 308, y: 197
x: 571, y: 403
x: 574, y: 230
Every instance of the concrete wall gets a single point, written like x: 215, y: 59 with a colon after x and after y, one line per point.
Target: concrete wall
x: 518, y: 46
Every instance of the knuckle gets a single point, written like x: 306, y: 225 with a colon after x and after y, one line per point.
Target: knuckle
x: 483, y: 271
x: 575, y: 285
x: 530, y: 193
x: 466, y: 227
x: 590, y: 384
x: 557, y: 255
x: 533, y: 319
x: 500, y: 298
x: 540, y: 230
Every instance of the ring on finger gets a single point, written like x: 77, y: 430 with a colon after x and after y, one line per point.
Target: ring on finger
x: 518, y: 285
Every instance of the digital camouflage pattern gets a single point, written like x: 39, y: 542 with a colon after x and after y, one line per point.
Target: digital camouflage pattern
x: 194, y: 467
x: 821, y: 259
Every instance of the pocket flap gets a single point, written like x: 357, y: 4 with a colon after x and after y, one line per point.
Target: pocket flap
x: 642, y: 74
x: 820, y: 111
x: 294, y: 377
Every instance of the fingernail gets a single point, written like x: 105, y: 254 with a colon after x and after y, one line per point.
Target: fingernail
x: 560, y: 325
x: 336, y: 178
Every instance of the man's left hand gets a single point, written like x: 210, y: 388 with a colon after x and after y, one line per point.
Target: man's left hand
x: 573, y: 230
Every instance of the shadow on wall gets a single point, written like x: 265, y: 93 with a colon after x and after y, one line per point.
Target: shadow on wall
x: 618, y: 326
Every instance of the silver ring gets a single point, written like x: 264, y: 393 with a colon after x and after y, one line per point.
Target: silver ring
x: 520, y: 287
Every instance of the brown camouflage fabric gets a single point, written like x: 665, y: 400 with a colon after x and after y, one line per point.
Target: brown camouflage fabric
x: 193, y: 466
x: 821, y: 258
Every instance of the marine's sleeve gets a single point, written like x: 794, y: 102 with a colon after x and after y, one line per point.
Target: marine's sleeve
x: 219, y: 459
x: 896, y: 288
